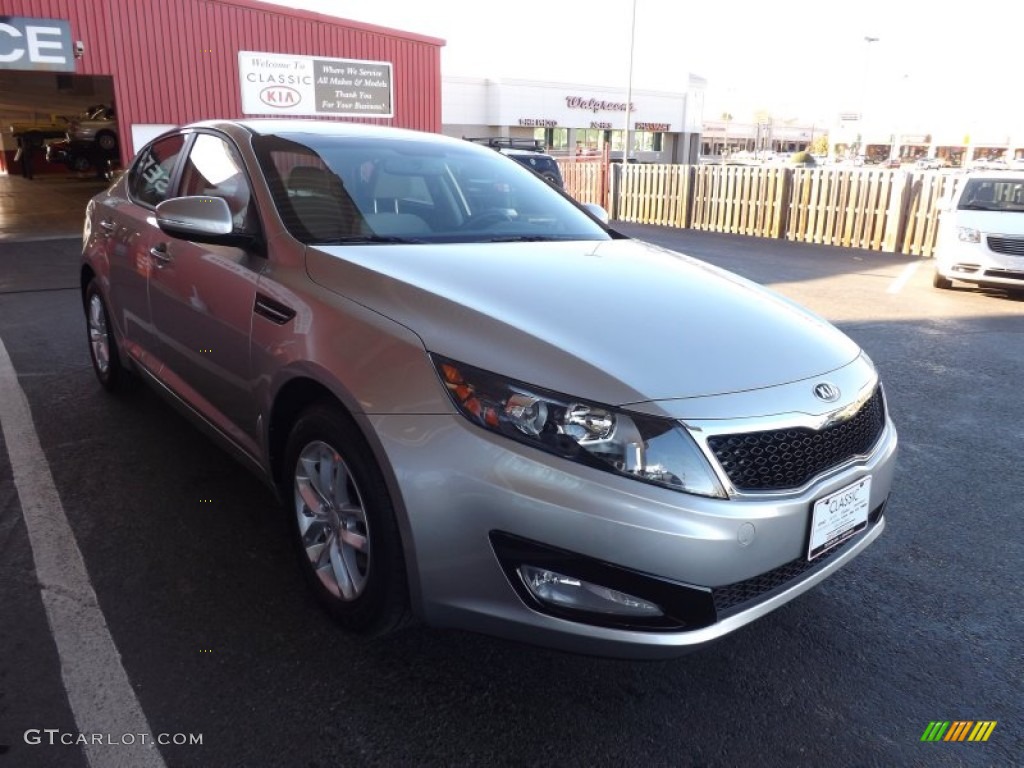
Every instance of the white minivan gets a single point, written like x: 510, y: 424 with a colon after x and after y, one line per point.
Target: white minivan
x: 981, y: 232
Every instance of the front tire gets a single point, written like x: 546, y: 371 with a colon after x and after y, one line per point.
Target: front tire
x: 343, y: 523
x: 941, y: 282
x: 106, y: 141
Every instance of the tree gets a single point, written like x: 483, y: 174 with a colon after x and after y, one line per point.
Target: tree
x: 820, y: 144
x: 804, y: 158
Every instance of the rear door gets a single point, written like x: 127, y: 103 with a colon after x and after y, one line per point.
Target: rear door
x: 124, y: 223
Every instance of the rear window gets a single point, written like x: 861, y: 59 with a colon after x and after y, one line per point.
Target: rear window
x: 539, y: 163
x: 150, y: 176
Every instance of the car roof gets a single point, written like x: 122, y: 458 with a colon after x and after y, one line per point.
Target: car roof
x: 280, y: 126
x: 285, y: 126
x: 527, y: 152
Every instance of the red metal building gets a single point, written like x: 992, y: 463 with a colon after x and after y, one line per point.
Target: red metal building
x: 175, y: 61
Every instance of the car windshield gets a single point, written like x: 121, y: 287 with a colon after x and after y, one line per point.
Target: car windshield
x: 993, y: 195
x: 337, y: 189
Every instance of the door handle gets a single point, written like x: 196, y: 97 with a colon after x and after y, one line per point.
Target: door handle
x: 160, y: 254
x: 107, y: 225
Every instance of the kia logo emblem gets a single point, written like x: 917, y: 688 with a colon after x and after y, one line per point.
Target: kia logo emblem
x: 280, y: 96
x: 827, y: 392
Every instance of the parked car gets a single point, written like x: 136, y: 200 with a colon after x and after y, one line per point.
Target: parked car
x: 989, y: 164
x: 528, y: 152
x: 79, y: 156
x: 34, y: 133
x: 98, y: 124
x: 477, y: 402
x: 981, y: 232
x: 928, y: 164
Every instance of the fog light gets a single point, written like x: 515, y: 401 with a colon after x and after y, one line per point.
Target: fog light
x: 569, y: 592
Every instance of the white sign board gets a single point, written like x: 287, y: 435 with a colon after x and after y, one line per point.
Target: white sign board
x: 143, y: 133
x: 275, y: 83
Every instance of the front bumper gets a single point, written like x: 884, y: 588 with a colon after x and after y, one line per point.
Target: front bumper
x: 457, y: 485
x: 977, y: 263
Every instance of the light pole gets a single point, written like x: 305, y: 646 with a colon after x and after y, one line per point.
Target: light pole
x: 868, y: 40
x: 896, y: 150
x: 629, y: 87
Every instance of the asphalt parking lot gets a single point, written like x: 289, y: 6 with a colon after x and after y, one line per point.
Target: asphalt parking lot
x: 218, y: 636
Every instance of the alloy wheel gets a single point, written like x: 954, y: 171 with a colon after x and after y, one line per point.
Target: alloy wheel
x: 332, y: 521
x: 99, y: 335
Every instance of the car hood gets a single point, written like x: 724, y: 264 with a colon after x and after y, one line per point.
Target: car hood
x: 992, y: 222
x: 617, y: 322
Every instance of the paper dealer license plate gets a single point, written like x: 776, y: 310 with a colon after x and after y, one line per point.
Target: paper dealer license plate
x: 839, y: 516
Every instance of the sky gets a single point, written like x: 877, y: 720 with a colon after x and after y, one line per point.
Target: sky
x: 933, y: 64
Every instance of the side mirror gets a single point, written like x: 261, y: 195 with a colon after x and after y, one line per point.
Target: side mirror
x: 597, y: 212
x: 199, y: 219
x: 191, y: 218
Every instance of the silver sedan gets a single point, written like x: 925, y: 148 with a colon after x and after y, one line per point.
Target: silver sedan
x: 480, y: 405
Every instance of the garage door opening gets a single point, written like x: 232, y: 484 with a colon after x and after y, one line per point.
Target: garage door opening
x: 38, y: 111
x: 62, y: 123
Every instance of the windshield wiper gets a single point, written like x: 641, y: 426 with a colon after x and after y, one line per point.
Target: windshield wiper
x: 523, y: 239
x: 368, y: 240
x: 976, y: 207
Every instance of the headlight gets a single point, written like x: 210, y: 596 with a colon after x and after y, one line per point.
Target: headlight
x: 646, y: 448
x: 968, y: 234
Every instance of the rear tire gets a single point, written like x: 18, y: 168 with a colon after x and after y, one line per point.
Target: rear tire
x: 941, y: 282
x: 103, y: 351
x: 343, y: 523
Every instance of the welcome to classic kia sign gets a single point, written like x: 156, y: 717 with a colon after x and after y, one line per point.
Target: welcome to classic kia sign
x: 310, y: 85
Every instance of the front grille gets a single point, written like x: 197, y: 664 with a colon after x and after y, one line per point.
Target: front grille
x: 1007, y: 274
x: 1014, y: 246
x: 788, y: 458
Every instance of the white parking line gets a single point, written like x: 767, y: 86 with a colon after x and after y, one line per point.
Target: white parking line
x: 905, y: 275
x: 100, y: 695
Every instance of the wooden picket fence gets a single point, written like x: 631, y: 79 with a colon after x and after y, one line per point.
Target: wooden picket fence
x: 740, y: 200
x: 655, y: 194
x: 587, y: 180
x: 922, y: 215
x: 852, y: 208
x: 876, y: 209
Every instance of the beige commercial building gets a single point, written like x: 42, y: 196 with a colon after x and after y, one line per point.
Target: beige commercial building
x: 572, y: 119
